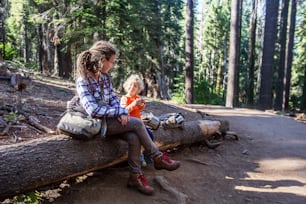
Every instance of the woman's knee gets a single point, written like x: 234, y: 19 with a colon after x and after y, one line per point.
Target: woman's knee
x: 132, y: 138
x: 136, y: 122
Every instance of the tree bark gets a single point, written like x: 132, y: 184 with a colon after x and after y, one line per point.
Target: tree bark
x: 303, y: 101
x: 2, y: 30
x: 250, y: 80
x: 36, y: 163
x: 189, y: 64
x: 279, y: 88
x: 289, y: 56
x: 266, y: 69
x: 233, y: 69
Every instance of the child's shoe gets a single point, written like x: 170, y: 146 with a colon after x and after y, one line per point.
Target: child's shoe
x: 165, y: 162
x: 148, y: 159
x: 143, y: 162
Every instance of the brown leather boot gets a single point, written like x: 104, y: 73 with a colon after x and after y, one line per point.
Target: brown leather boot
x: 139, y: 182
x: 165, y: 162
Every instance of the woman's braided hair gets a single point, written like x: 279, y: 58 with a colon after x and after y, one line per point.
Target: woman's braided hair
x: 90, y: 60
x: 105, y: 48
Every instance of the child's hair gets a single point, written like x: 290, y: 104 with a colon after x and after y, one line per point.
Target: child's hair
x: 133, y: 79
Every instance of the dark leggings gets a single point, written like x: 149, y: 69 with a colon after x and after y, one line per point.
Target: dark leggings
x: 150, y: 133
x: 136, y: 135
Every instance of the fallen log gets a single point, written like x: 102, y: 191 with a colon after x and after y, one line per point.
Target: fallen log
x: 31, y: 120
x: 17, y: 81
x: 36, y: 163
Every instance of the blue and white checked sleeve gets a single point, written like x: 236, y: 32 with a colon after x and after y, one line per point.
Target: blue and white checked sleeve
x: 91, y: 105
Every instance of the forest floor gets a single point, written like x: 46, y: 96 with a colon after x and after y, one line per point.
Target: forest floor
x: 266, y: 165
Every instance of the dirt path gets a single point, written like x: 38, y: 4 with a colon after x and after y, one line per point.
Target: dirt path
x: 266, y: 165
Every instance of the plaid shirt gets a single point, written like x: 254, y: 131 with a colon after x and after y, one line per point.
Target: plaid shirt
x: 97, y: 102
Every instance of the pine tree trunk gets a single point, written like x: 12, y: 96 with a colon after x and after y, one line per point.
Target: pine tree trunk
x: 266, y: 70
x: 26, y: 50
x: 189, y: 92
x: 232, y: 92
x: 250, y: 80
x: 289, y: 55
x: 2, y: 30
x: 279, y: 88
x: 45, y: 50
x: 303, y: 100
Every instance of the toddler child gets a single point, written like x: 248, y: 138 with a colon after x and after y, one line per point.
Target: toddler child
x: 135, y: 104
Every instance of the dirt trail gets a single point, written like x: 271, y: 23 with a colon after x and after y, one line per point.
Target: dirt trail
x: 266, y: 165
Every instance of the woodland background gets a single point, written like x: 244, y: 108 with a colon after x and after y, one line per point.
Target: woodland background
x: 235, y: 53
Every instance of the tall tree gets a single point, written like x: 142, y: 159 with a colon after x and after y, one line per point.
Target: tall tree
x: 279, y: 87
x: 43, y: 20
x: 1, y: 30
x: 26, y: 32
x: 162, y: 80
x: 189, y: 64
x: 250, y: 80
x: 289, y: 57
x: 232, y: 84
x: 266, y: 69
x: 303, y: 101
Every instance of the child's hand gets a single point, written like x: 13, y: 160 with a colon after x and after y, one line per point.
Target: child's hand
x: 143, y: 102
x: 140, y: 102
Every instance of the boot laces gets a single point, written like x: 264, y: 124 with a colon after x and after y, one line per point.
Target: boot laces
x: 143, y: 180
x: 166, y: 158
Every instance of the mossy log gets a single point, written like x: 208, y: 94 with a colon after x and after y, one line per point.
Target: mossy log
x: 36, y: 163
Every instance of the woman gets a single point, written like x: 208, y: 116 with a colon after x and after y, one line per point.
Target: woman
x: 97, y: 97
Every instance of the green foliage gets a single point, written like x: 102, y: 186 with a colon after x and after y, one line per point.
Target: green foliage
x: 20, y: 30
x: 149, y: 36
x: 147, y: 33
x: 30, y: 198
x: 214, y: 34
x: 298, y: 96
x: 145, y: 36
x: 204, y: 94
x: 14, y: 23
x: 10, y: 53
x: 13, y: 117
x: 178, y: 97
x: 32, y: 65
x: 178, y: 87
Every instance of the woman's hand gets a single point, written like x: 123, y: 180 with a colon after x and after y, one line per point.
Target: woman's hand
x: 123, y: 119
